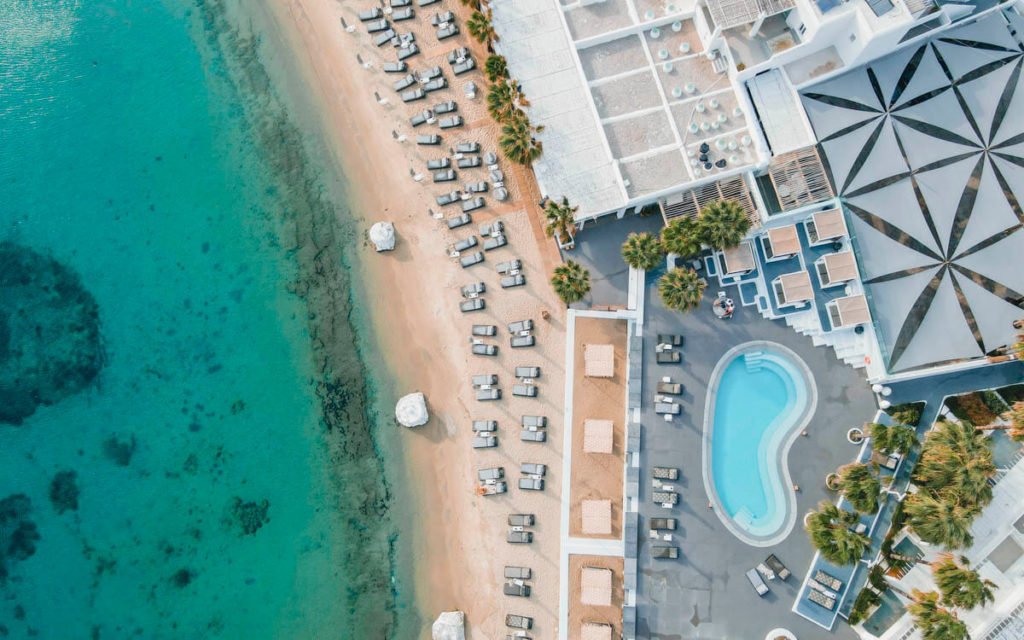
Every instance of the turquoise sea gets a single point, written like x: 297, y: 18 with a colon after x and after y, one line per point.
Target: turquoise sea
x: 190, y: 443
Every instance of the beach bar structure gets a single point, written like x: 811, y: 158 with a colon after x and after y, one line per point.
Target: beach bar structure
x: 597, y: 517
x: 598, y: 436
x: 599, y: 360
x: 596, y: 586
x: 793, y: 289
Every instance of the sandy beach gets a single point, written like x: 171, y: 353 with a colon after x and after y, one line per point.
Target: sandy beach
x: 460, y: 545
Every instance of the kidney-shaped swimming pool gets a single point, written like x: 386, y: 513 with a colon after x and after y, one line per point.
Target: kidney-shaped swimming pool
x: 760, y: 396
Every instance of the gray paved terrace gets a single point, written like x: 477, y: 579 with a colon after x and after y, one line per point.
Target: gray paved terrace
x: 705, y: 594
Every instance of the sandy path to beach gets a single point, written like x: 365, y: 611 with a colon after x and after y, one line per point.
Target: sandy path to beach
x: 461, y: 547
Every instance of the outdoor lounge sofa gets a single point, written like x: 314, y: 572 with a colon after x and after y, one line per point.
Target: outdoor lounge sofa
x: 669, y: 357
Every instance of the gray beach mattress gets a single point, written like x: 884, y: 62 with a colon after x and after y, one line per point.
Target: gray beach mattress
x: 471, y: 259
x: 428, y: 138
x: 508, y: 282
x: 445, y: 107
x: 412, y: 95
x: 473, y: 204
x: 520, y: 325
x: 449, y: 198
x: 485, y: 330
x: 404, y: 83
x: 484, y: 379
x: 534, y: 421
x: 406, y: 13
x: 509, y: 266
x: 374, y: 26
x: 438, y: 163
x: 527, y: 372
x: 370, y: 14
x: 395, y: 67
x: 465, y: 66
x: 476, y: 304
x: 519, y: 342
x: 467, y: 147
x: 485, y: 349
x: 469, y: 163
x: 485, y: 426
x: 384, y: 37
x: 533, y: 469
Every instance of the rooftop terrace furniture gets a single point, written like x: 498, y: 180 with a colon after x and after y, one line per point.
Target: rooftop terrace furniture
x: 473, y: 204
x: 376, y: 26
x: 517, y: 573
x: 476, y: 187
x: 465, y: 66
x: 669, y: 357
x: 822, y: 600
x: 531, y: 484
x: 485, y: 330
x: 515, y: 589
x: 405, y: 13
x: 495, y: 242
x: 474, y: 304
x: 533, y: 436
x: 524, y: 390
x: 459, y: 220
x: 664, y: 552
x: 470, y: 163
x: 755, y: 581
x: 533, y: 469
x: 520, y: 537
x: 464, y: 244
x: 441, y: 18
x: 448, y: 198
x: 471, y: 259
x: 535, y: 421
x: 442, y: 108
x: 485, y: 441
x: 674, y: 340
x: 521, y: 520
x: 833, y: 583
x: 485, y: 395
x: 490, y: 473
x: 670, y: 408
x: 670, y: 388
x: 517, y: 280
x: 450, y: 122
x: 408, y: 51
x: 662, y: 524
x: 467, y: 147
x: 776, y: 565
x: 384, y: 37
x: 520, y: 342
x: 370, y: 14
x: 457, y: 54
x: 666, y: 473
x: 527, y: 372
x: 485, y: 426
x: 485, y: 349
x: 518, y: 326
x: 473, y: 289
x: 665, y: 497
x: 485, y: 380
x: 444, y: 175
x: 511, y: 267
x: 395, y: 67
x: 404, y: 83
x: 438, y: 163
x: 448, y: 31
x: 518, y: 622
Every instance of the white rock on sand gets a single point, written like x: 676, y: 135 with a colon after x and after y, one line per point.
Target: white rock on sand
x: 382, y: 235
x: 411, y: 410
x: 450, y: 625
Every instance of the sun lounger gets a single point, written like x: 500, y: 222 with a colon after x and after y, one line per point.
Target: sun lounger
x: 471, y: 259
x: 755, y: 581
x: 485, y: 442
x: 450, y: 122
x: 460, y: 220
x: 517, y: 573
x: 533, y: 436
x: 441, y: 18
x: 662, y: 552
x: 384, y: 37
x: 510, y: 267
x: 473, y: 289
x: 408, y: 51
x: 485, y: 330
x: 519, y: 325
x: 473, y: 204
x: 465, y: 66
x: 662, y: 524
x: 426, y: 3
x: 520, y: 537
x: 833, y: 583
x: 500, y: 194
x: 438, y: 163
x: 531, y: 484
x: 484, y: 380
x: 521, y: 520
x: 533, y: 469
x: 423, y: 117
x: 445, y: 175
x: 486, y: 395
x: 467, y: 147
x: 394, y: 67
x: 491, y: 228
x: 534, y: 421
x: 776, y: 565
x: 376, y: 26
x: 493, y: 488
x: 670, y: 388
x: 406, y: 13
x: 411, y: 96
x: 476, y: 187
x: 457, y: 54
x: 521, y: 342
x: 404, y: 83
x: 485, y: 426
x: 495, y: 242
x: 446, y: 199
x: 470, y: 163
x: 524, y: 390
x: 670, y: 339
x: 485, y: 349
x: 448, y: 31
x: 669, y: 357
x: 468, y: 306
x: 514, y: 589
x: 518, y: 622
x: 370, y: 14
x: 464, y: 244
x: 665, y: 473
x: 670, y: 408
x: 496, y: 175
x: 665, y: 497
x: 395, y: 4
x: 517, y: 280
x: 490, y: 473
x: 821, y: 599
x: 527, y: 372
x: 445, y: 107
x: 435, y: 85
x: 426, y: 75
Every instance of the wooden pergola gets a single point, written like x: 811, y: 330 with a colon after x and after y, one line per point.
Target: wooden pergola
x: 689, y: 203
x: 799, y: 178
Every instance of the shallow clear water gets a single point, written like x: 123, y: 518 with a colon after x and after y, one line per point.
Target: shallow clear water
x: 194, y: 487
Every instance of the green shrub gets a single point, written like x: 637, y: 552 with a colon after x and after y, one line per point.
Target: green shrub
x: 909, y: 414
x: 994, y: 402
x: 972, y: 408
x: 866, y: 599
x: 1013, y: 393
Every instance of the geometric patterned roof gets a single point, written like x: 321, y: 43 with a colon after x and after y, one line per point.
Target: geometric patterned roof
x: 926, y: 150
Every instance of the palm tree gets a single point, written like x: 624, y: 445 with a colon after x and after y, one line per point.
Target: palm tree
x: 960, y: 586
x: 681, y: 289
x: 831, y: 532
x: 517, y: 140
x: 681, y: 237
x: 895, y: 439
x: 496, y: 68
x: 957, y: 463
x: 480, y: 27
x: 935, y: 622
x: 940, y: 521
x: 559, y: 218
x: 570, y: 281
x: 861, y: 487
x: 723, y: 224
x: 641, y: 251
x: 1015, y: 420
x: 503, y: 99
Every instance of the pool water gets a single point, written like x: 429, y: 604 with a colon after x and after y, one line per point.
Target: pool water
x: 763, y: 398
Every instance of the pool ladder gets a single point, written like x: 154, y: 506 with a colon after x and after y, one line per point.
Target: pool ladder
x: 753, y: 360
